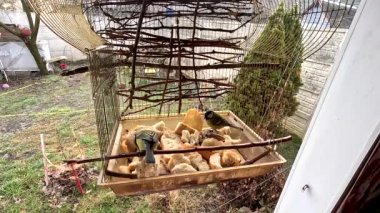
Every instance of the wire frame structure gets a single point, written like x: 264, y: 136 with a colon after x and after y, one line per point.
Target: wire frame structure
x: 65, y: 18
x: 150, y: 57
x: 105, y: 101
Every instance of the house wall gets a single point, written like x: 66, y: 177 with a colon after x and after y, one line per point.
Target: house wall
x: 315, y: 71
x: 57, y: 46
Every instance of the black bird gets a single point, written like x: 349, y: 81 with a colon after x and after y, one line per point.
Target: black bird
x: 147, y: 140
x: 216, y: 121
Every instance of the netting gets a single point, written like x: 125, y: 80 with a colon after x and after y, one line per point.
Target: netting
x: 65, y: 18
x: 160, y: 57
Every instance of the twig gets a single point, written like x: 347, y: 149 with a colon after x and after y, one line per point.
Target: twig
x: 142, y: 13
x: 187, y: 79
x: 193, y: 49
x: 211, y: 81
x: 167, y: 71
x: 46, y: 167
x: 145, y: 108
x: 199, y: 67
x: 165, y: 54
x: 200, y: 43
x: 186, y: 93
x: 184, y: 96
x: 255, y: 159
x: 179, y: 70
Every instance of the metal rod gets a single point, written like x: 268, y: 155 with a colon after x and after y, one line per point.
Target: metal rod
x: 257, y: 158
x: 195, y: 149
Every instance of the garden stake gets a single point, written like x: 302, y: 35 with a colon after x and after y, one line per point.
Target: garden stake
x: 79, y: 185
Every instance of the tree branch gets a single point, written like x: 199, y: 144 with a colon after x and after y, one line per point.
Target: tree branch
x: 37, y: 22
x: 27, y: 10
x: 134, y: 51
x: 199, y: 67
x: 10, y: 30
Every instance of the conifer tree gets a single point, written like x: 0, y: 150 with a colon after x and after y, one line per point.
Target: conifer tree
x: 265, y: 96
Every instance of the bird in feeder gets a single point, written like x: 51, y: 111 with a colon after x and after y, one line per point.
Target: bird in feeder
x: 147, y: 140
x: 216, y: 121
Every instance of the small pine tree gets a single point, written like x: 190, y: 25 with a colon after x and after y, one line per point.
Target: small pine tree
x: 264, y: 97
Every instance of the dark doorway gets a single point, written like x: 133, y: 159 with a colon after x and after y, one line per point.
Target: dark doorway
x: 363, y: 192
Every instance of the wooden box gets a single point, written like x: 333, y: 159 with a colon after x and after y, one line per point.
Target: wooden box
x: 125, y: 186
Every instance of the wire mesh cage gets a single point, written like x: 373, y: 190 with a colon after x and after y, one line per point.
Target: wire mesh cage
x: 176, y: 53
x: 156, y: 59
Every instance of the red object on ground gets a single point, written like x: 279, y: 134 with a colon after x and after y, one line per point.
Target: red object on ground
x: 77, y: 179
x: 25, y: 32
x: 63, y: 66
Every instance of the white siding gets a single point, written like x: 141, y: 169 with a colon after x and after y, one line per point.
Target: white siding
x: 315, y: 71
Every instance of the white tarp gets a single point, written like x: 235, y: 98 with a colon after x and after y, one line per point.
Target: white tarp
x: 15, y: 56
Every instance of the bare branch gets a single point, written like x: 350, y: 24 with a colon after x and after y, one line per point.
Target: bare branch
x: 10, y: 30
x: 37, y: 22
x: 28, y: 13
x: 134, y: 50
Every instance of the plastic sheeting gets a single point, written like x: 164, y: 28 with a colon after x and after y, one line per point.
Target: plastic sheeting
x: 15, y: 56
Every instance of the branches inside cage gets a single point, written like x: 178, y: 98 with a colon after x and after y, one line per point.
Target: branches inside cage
x: 172, y: 55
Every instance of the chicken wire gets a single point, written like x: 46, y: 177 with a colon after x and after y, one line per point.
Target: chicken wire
x: 162, y: 57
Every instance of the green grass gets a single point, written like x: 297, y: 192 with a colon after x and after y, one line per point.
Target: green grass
x: 88, y: 140
x: 107, y: 202
x: 53, y: 78
x: 17, y: 105
x: 289, y: 150
x: 21, y: 185
x: 64, y: 130
x: 90, y: 145
x: 21, y: 177
x: 58, y: 110
x: 104, y: 201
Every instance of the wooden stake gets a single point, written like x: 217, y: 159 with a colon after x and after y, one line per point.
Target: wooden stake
x: 46, y: 167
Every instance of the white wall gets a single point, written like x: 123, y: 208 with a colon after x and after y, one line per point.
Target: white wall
x: 15, y: 56
x: 57, y: 46
x: 345, y: 123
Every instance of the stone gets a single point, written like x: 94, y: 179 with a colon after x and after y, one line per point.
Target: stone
x: 244, y: 209
x: 7, y: 156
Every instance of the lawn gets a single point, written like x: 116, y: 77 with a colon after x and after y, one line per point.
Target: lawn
x: 61, y: 108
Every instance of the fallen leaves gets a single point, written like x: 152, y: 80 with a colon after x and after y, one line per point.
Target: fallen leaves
x: 62, y: 186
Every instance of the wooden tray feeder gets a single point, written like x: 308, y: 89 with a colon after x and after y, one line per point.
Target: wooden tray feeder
x: 126, y: 186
